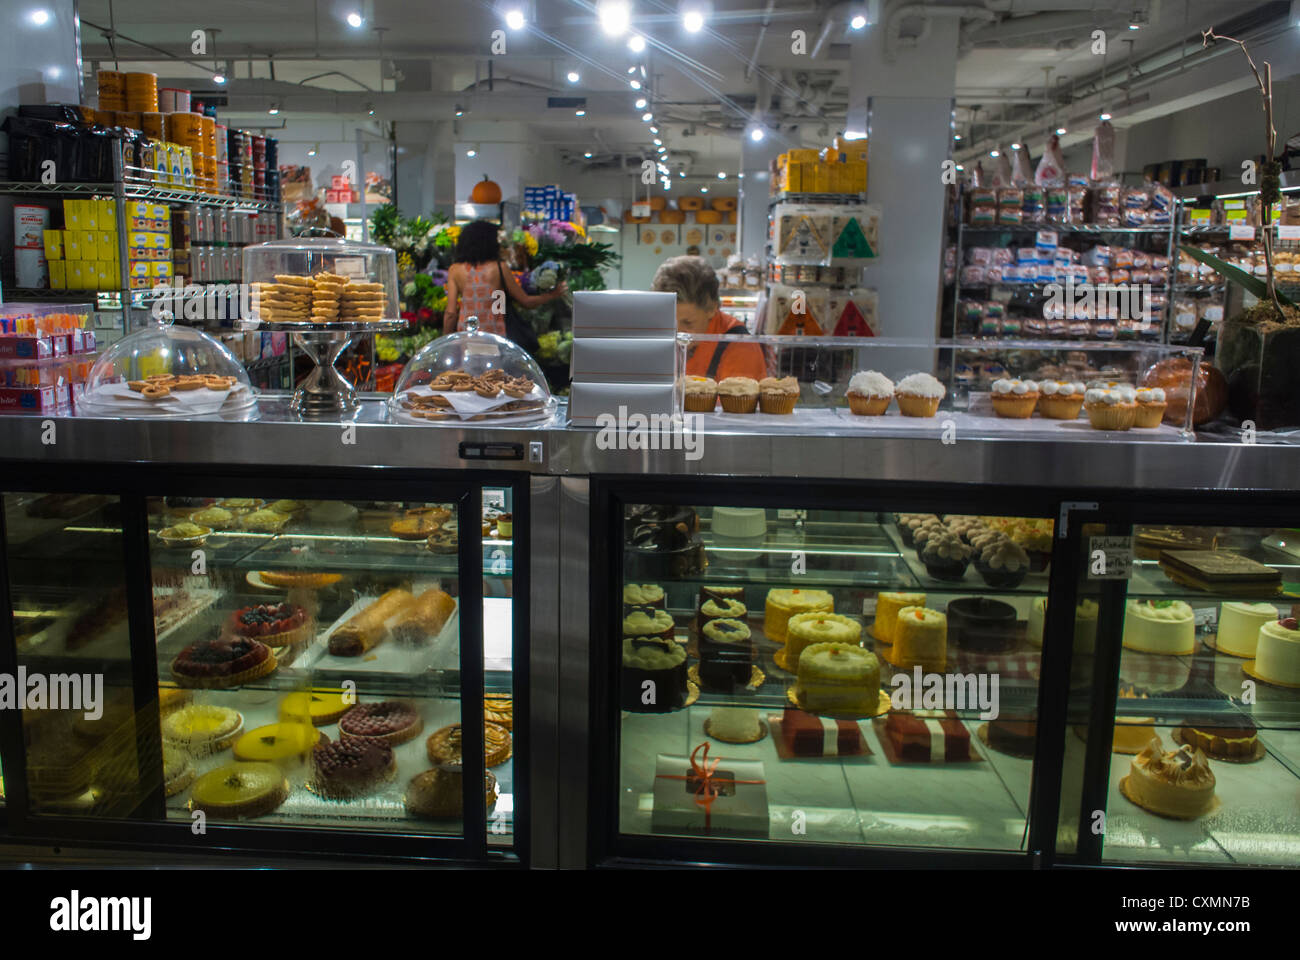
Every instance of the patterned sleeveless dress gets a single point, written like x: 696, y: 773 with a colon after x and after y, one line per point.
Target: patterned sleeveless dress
x: 481, y: 282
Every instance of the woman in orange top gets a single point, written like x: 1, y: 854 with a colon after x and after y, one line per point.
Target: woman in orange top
x: 696, y: 285
x: 476, y: 277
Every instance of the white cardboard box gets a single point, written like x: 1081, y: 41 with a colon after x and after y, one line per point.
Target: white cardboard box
x: 624, y: 360
x: 624, y: 313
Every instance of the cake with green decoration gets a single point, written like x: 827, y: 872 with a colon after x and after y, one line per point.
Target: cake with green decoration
x: 1160, y: 626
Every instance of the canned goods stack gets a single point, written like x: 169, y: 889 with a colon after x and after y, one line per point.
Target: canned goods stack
x: 141, y: 92
x: 112, y: 90
x: 208, y: 139
x: 174, y: 100
x: 152, y: 125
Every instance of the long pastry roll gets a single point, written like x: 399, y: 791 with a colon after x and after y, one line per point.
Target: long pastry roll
x: 369, y: 627
x: 425, y: 618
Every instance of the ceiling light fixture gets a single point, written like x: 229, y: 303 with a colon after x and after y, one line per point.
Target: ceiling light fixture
x: 39, y: 17
x: 704, y: 189
x: 858, y: 21
x: 647, y: 117
x: 636, y: 43
x: 722, y: 175
x: 370, y: 109
x: 956, y: 136
x: 757, y: 134
x: 693, y: 21
x: 312, y: 151
x: 355, y: 20
x: 1060, y: 131
x: 634, y: 84
x: 471, y: 153
x: 615, y: 16
x: 1015, y: 146
x: 681, y: 173
x: 1104, y: 116
x: 515, y: 19
x: 994, y: 153
x: 587, y: 154
x: 579, y: 113
x: 460, y: 111
x: 658, y: 142
x: 654, y: 129
x: 640, y: 103
x: 574, y: 76
x: 218, y: 77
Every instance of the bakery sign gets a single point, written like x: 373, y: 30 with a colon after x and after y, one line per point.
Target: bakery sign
x: 1110, y: 558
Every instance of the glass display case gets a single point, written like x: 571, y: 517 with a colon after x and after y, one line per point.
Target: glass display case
x: 804, y: 667
x: 326, y: 673
x: 1192, y: 692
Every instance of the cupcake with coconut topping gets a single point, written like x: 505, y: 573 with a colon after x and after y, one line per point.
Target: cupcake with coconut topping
x: 870, y: 393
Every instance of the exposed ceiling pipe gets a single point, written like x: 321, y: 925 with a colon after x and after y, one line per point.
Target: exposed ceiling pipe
x: 894, y: 24
x: 758, y: 44
x: 1020, y: 28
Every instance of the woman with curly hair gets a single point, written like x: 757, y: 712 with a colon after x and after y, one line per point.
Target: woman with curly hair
x: 478, y: 283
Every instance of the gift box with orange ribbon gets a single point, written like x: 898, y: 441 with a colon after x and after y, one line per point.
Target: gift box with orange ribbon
x: 708, y: 796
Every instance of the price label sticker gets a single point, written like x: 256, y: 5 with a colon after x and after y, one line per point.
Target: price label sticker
x: 1240, y: 231
x: 1288, y: 231
x: 1110, y: 558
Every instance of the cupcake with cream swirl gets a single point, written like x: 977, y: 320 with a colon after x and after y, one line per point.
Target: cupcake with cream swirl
x: 1060, y: 400
x: 1002, y: 563
x: 1014, y: 399
x: 1151, y: 405
x: 1111, y: 407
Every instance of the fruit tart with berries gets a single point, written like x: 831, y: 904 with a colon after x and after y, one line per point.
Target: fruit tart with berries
x: 223, y: 662
x: 281, y: 624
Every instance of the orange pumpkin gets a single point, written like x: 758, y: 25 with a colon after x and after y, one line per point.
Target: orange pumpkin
x: 485, y: 191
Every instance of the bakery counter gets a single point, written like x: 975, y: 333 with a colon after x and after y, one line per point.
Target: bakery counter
x: 967, y: 450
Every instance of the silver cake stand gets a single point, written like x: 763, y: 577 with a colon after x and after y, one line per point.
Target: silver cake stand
x: 325, y: 394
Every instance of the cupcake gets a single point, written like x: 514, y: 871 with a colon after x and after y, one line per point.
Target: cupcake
x: 1112, y: 407
x: 1002, y: 563
x: 1060, y: 400
x: 738, y: 394
x: 909, y: 523
x: 778, y: 394
x: 1014, y: 399
x: 945, y: 557
x: 927, y: 532
x: 869, y: 393
x: 701, y: 394
x: 1150, y: 407
x: 918, y: 395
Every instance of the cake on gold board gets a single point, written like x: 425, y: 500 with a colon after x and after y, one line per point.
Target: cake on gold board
x: 782, y: 604
x: 1277, y: 655
x: 887, y: 606
x: 735, y: 725
x: 805, y: 629
x: 920, y: 640
x: 1166, y: 627
x: 1239, y: 625
x: 1232, y: 738
x: 1177, y: 784
x: 838, y: 679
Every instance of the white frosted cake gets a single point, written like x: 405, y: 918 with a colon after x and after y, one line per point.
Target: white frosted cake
x: 1277, y: 657
x: 1160, y: 626
x: 1239, y: 624
x: 734, y: 724
x: 1037, y: 618
x: 1085, y: 624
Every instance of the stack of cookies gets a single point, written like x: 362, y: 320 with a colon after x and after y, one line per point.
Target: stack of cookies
x: 362, y: 302
x: 288, y: 300
x: 325, y: 290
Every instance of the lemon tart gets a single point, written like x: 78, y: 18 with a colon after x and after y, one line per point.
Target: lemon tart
x: 286, y: 744
x: 202, y: 728
x: 236, y: 791
x: 317, y: 707
x: 178, y: 770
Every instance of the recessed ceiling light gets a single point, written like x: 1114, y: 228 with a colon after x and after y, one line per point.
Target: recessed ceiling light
x: 994, y: 153
x: 722, y: 175
x: 579, y: 113
x: 515, y: 19
x: 39, y: 17
x: 704, y: 189
x: 756, y: 134
x: 218, y: 78
x: 1060, y: 131
x: 1104, y: 116
x: 647, y: 117
x: 636, y: 43
x: 681, y: 173
x: 274, y: 110
x: 658, y: 142
x: 960, y: 167
x: 741, y: 176
x: 1015, y: 146
x: 355, y: 20
x: 640, y: 103
x: 634, y: 84
x: 312, y: 151
x: 693, y: 20
x: 587, y: 154
x: 471, y: 153
x: 460, y: 112
x: 956, y: 136
x: 858, y: 22
x: 615, y: 16
x: 574, y: 76
x: 654, y: 129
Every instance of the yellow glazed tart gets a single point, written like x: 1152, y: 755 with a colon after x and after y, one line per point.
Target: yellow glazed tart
x: 317, y: 707
x: 202, y: 728
x: 281, y: 743
x: 237, y: 791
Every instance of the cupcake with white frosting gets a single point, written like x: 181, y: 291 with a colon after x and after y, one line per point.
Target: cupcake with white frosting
x: 918, y: 395
x: 1111, y: 407
x: 870, y: 393
x: 1014, y: 399
x: 1151, y: 405
x: 1060, y: 399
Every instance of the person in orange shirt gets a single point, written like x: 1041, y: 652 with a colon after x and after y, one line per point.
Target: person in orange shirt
x: 696, y: 285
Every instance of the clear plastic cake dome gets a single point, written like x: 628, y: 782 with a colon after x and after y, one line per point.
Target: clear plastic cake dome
x: 166, y: 370
x: 468, y: 376
x: 369, y: 269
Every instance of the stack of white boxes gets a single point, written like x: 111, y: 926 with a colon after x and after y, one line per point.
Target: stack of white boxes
x: 624, y: 355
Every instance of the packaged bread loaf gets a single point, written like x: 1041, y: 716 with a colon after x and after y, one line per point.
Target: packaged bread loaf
x: 424, y: 619
x: 369, y: 627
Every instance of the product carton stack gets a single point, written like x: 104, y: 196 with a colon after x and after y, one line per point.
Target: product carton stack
x: 624, y: 356
x: 85, y: 254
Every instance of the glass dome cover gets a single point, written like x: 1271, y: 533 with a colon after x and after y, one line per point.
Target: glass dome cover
x: 165, y: 370
x: 471, y: 375
x: 368, y: 271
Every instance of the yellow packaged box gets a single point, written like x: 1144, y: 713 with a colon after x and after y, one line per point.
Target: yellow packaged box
x: 803, y: 156
x: 105, y: 275
x: 71, y: 245
x: 73, y: 215
x: 58, y: 274
x: 53, y: 244
x: 138, y: 208
x: 141, y: 283
x: 160, y: 268
x: 107, y: 212
x: 856, y: 171
x: 139, y: 268
x: 89, y: 215
x: 76, y: 275
x: 821, y: 178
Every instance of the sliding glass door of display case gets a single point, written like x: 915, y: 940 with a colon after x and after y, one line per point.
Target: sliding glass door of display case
x: 1183, y: 737
x: 318, y: 666
x: 805, y: 674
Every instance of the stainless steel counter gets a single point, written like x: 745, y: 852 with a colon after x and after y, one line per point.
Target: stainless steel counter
x: 1095, y: 459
